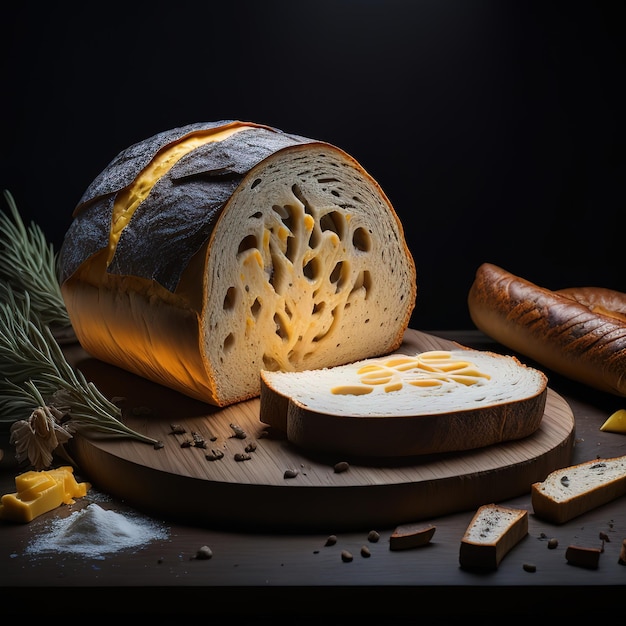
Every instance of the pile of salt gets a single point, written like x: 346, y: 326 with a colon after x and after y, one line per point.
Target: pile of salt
x: 94, y: 531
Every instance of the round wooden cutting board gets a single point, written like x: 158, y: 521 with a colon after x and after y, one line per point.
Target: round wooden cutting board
x: 277, y: 487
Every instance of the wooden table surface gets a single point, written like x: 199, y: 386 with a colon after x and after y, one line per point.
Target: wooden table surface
x: 280, y: 575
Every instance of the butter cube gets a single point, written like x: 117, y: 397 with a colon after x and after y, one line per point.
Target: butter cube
x: 38, y: 492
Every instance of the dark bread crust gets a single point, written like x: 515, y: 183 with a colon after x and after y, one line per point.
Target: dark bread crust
x: 579, y: 333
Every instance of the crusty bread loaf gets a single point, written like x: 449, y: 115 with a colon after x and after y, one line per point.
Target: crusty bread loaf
x: 574, y: 490
x: 407, y: 404
x: 210, y: 251
x: 493, y: 532
x: 579, y: 333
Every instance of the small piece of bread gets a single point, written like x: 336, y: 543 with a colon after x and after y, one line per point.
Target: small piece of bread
x: 579, y: 333
x: 574, y: 490
x: 583, y: 556
x: 493, y: 532
x: 411, y: 536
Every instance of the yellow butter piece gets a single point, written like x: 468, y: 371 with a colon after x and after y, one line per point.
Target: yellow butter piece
x: 38, y: 492
x: 616, y: 423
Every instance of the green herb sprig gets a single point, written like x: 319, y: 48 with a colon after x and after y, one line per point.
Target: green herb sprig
x: 28, y: 263
x: 33, y: 367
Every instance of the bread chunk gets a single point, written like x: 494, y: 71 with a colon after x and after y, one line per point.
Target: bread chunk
x: 208, y: 252
x: 571, y: 491
x: 409, y: 536
x: 493, y: 532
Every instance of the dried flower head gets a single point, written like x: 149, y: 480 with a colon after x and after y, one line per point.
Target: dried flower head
x: 37, y: 438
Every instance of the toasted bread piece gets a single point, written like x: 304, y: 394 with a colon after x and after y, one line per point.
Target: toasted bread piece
x: 410, y: 536
x: 574, y: 490
x: 493, y: 532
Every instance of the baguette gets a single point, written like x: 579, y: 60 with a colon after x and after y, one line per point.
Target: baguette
x: 493, y: 532
x: 571, y: 491
x: 579, y: 333
x: 407, y: 404
x: 207, y: 252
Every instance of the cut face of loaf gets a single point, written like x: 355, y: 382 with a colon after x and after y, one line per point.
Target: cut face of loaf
x: 407, y: 404
x: 207, y: 253
x: 569, y: 492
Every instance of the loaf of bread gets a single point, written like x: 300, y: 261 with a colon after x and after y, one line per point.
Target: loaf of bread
x: 579, y: 333
x: 571, y: 491
x: 493, y: 532
x: 406, y: 404
x: 208, y: 252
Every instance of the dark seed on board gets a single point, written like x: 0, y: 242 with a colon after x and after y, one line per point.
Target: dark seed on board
x: 290, y: 473
x: 241, y: 456
x: 530, y: 567
x: 553, y: 543
x: 215, y: 455
x: 240, y: 433
x: 373, y: 536
x: 342, y: 466
x: 331, y: 540
x: 346, y: 557
x: 365, y: 552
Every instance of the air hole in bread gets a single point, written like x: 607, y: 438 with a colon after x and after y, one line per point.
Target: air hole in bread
x: 333, y: 221
x: 338, y: 275
x: 363, y: 281
x: 229, y: 342
x: 255, y: 309
x: 318, y: 308
x: 312, y: 269
x: 361, y: 239
x: 281, y: 329
x: 230, y: 299
x: 286, y: 214
x: 247, y: 243
x: 277, y: 277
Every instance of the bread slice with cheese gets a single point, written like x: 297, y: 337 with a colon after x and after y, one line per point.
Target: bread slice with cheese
x: 407, y: 404
x: 492, y: 533
x: 209, y: 252
x: 571, y: 491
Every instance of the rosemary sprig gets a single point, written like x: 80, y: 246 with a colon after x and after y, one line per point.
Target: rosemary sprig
x: 28, y: 263
x: 33, y: 366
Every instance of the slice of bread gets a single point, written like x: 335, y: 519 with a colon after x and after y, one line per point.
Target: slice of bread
x: 493, y: 532
x: 574, y: 490
x: 407, y: 404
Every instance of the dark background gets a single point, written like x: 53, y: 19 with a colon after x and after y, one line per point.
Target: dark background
x: 496, y: 128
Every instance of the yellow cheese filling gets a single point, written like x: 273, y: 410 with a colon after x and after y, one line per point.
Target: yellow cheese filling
x: 130, y: 198
x: 429, y: 369
x: 38, y: 492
